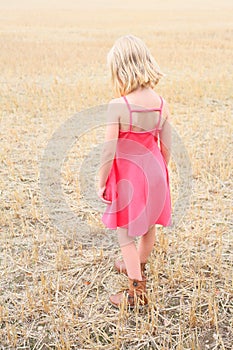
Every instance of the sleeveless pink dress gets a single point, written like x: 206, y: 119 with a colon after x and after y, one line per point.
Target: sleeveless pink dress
x: 138, y: 183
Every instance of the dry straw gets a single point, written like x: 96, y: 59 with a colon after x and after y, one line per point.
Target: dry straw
x: 53, y: 290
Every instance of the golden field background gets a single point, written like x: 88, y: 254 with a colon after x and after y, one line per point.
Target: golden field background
x: 53, y: 290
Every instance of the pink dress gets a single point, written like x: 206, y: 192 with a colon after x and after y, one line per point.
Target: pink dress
x: 138, y: 183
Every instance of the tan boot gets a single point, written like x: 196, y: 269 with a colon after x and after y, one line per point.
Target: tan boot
x: 121, y: 268
x: 135, y: 295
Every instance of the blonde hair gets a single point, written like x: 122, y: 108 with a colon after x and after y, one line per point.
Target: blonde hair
x: 132, y: 65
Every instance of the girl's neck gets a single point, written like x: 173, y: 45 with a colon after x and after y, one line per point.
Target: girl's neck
x: 140, y: 91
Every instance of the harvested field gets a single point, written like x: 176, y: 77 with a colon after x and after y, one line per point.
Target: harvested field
x: 56, y: 257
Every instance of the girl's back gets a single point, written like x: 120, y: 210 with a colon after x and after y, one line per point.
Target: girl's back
x: 146, y: 106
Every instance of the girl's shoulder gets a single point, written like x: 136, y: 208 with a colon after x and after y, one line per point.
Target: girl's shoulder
x: 116, y: 108
x: 116, y: 104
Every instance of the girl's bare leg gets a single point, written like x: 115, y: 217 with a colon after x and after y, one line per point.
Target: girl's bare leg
x: 146, y: 244
x: 130, y: 254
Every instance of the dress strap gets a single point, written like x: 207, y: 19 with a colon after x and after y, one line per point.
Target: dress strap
x: 161, y: 106
x: 130, y: 113
x: 160, y: 112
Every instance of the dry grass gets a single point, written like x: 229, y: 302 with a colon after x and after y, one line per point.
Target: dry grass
x: 53, y: 290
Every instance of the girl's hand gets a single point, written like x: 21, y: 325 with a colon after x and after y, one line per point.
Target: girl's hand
x: 101, y: 195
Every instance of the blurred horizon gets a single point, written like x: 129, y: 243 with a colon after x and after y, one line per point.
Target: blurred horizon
x: 89, y: 4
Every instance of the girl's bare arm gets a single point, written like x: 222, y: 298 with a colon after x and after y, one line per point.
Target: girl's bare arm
x: 109, y: 148
x: 166, y: 135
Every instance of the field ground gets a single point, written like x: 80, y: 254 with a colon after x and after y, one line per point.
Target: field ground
x: 54, y: 289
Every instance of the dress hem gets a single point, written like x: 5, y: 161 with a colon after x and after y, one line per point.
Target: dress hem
x: 169, y: 224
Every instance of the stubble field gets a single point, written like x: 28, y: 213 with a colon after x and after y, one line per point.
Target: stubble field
x: 54, y: 285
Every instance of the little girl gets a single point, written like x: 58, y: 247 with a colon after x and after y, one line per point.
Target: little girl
x: 134, y: 181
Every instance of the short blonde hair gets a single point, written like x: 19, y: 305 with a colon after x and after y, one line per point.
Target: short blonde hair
x: 132, y: 65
